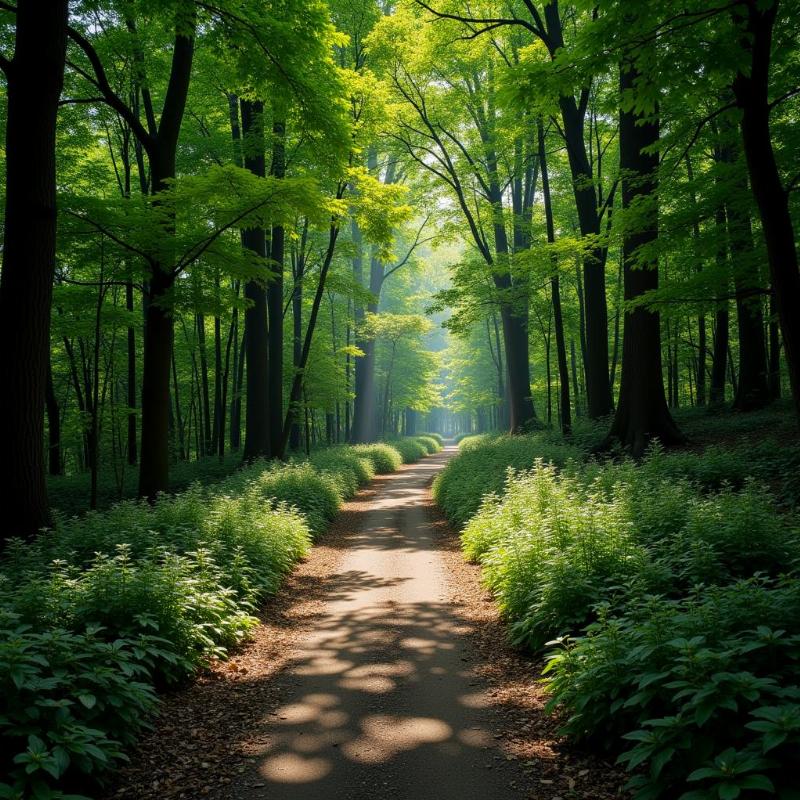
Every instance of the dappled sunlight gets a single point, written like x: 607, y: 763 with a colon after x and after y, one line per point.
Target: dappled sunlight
x: 382, y: 680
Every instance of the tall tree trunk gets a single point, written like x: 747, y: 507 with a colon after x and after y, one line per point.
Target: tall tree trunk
x: 364, y: 403
x: 200, y: 322
x: 219, y: 403
x: 275, y: 303
x: 642, y: 412
x: 752, y: 391
x: 131, y: 385
x: 183, y: 446
x: 555, y: 290
x: 55, y: 461
x: 702, y: 336
x: 598, y: 388
x: 751, y: 90
x: 297, y: 393
x: 297, y: 345
x: 34, y: 80
x: 719, y: 363
x: 158, y: 329
x: 774, y: 350
x: 236, y: 402
x: 256, y: 440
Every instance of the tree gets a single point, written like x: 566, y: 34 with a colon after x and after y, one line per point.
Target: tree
x: 34, y: 76
x: 642, y: 412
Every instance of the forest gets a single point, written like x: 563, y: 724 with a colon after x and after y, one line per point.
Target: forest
x: 303, y: 297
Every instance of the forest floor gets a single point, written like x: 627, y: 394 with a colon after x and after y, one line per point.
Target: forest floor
x: 380, y: 670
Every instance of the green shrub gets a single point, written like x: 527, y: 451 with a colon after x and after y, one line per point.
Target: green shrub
x: 411, y: 450
x: 437, y: 437
x: 160, y: 590
x: 470, y: 441
x: 430, y: 444
x: 345, y: 467
x: 313, y: 493
x: 703, y: 691
x: 69, y: 703
x: 384, y: 457
x: 550, y: 550
x: 556, y: 544
x: 677, y: 565
x: 481, y: 468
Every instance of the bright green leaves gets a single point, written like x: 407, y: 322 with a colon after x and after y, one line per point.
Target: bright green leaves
x: 378, y: 209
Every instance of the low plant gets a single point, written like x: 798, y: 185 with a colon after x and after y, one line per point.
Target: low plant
x: 98, y: 612
x: 701, y: 694
x: 384, y: 457
x: 345, y: 467
x: 432, y: 445
x: 70, y: 703
x: 411, y: 449
x: 482, y: 467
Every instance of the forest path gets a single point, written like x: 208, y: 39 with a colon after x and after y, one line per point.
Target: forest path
x: 381, y: 670
x: 380, y: 699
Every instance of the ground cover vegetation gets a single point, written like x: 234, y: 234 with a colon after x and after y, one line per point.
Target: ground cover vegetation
x: 663, y: 594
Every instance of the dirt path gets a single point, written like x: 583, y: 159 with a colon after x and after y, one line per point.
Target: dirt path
x: 382, y: 700
x: 380, y: 671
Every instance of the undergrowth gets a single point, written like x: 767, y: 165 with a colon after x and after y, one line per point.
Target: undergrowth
x: 665, y: 592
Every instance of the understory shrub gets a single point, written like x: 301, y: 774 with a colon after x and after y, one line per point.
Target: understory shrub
x: 702, y: 692
x: 313, y: 492
x: 482, y: 465
x: 411, y: 449
x: 430, y: 443
x: 98, y: 612
x: 556, y: 544
x: 437, y: 437
x: 683, y: 575
x: 347, y: 469
x: 71, y: 703
x: 384, y: 457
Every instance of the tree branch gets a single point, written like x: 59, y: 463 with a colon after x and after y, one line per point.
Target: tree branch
x: 110, y: 97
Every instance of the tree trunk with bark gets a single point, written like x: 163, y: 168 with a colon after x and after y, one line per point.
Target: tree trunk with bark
x: 751, y: 91
x: 256, y: 439
x: 35, y: 77
x: 275, y: 303
x: 642, y: 414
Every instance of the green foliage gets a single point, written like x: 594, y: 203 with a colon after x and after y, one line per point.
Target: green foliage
x: 70, y: 703
x: 411, y: 450
x: 315, y: 494
x: 682, y: 574
x: 430, y: 443
x: 384, y: 457
x: 437, y: 437
x: 349, y: 470
x: 555, y: 545
x: 481, y: 469
x: 703, y: 690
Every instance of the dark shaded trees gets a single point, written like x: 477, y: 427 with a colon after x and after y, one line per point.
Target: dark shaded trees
x: 751, y: 88
x: 642, y: 412
x: 34, y: 76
